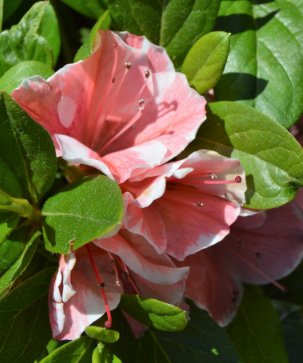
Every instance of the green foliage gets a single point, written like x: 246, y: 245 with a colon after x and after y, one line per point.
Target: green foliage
x: 24, y: 322
x: 256, y: 330
x: 36, y: 38
x: 66, y: 218
x: 176, y: 26
x: 270, y: 156
x: 87, y: 48
x: 154, y: 313
x: 103, y: 354
x: 204, y: 63
x: 106, y: 335
x: 27, y: 148
x: 264, y: 67
x: 92, y: 8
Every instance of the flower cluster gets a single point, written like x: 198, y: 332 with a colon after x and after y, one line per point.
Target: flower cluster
x: 126, y: 113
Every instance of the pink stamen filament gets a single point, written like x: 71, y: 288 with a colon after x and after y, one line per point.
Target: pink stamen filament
x: 108, y: 323
x: 237, y: 179
x: 282, y: 288
x: 180, y: 200
x: 125, y: 269
x: 95, y: 134
x: 115, y: 269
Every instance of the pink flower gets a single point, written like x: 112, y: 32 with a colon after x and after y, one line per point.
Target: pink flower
x: 185, y: 206
x: 259, y: 249
x: 88, y: 285
x: 121, y: 110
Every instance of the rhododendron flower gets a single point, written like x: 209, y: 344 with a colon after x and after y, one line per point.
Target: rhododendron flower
x: 182, y: 207
x: 122, y: 109
x: 259, y: 249
x: 91, y: 279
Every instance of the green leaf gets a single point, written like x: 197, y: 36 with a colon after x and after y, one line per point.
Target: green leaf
x: 8, y: 222
x: 154, y: 313
x: 12, y: 248
x: 77, y: 351
x: 24, y: 321
x: 264, y: 67
x: 175, y: 25
x: 256, y: 330
x: 271, y: 157
x: 92, y: 8
x: 27, y: 148
x: 103, y: 354
x: 82, y: 211
x: 49, y: 29
x: 23, y: 42
x: 204, y: 64
x: 201, y: 341
x: 85, y: 51
x: 13, y: 78
x: 106, y: 335
x: 22, y: 262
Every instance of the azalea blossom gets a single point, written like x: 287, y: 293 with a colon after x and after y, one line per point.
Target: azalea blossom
x: 188, y: 205
x: 260, y: 249
x: 122, y: 109
x: 91, y: 279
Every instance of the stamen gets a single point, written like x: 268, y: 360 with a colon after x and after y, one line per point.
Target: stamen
x: 113, y: 262
x: 94, y: 132
x: 101, y: 284
x: 129, y: 278
x: 237, y: 179
x: 167, y: 196
x: 213, y: 176
x: 200, y: 204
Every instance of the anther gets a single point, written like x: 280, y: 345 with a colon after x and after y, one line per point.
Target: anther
x: 200, y: 204
x: 141, y: 104
x: 125, y: 275
x: 258, y: 256
x: 112, y: 261
x: 147, y: 73
x: 102, y: 285
x: 241, y: 243
x: 113, y: 80
x: 213, y: 176
x: 128, y: 65
x: 117, y: 283
x: 114, y: 45
x: 224, y: 195
x: 238, y: 179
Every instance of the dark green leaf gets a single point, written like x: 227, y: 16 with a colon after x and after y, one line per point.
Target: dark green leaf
x: 154, y: 313
x: 271, y: 157
x: 264, y: 67
x: 256, y: 330
x: 13, y: 78
x: 22, y: 262
x: 91, y: 8
x: 27, y: 148
x: 176, y: 26
x: 204, y: 64
x: 86, y: 49
x: 8, y: 222
x: 106, y: 335
x: 10, y: 6
x: 81, y: 212
x: 24, y: 321
x: 23, y: 42
x: 12, y: 248
x: 103, y: 354
x: 77, y: 351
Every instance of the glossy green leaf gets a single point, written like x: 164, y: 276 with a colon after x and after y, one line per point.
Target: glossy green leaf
x: 106, y: 335
x: 13, y: 78
x: 12, y: 248
x: 154, y: 313
x: 10, y: 184
x: 86, y: 49
x: 256, y: 330
x: 24, y: 321
x: 21, y: 263
x: 264, y: 67
x: 27, y: 148
x: 23, y: 42
x: 271, y: 157
x: 103, y: 354
x: 204, y: 64
x: 82, y: 211
x: 175, y: 25
x: 201, y: 341
x: 77, y: 351
x: 92, y: 8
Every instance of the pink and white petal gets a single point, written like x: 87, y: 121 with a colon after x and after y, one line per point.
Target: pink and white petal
x: 211, y: 288
x: 74, y: 151
x: 250, y: 221
x: 123, y: 163
x: 142, y: 258
x: 67, y: 263
x: 189, y: 227
x: 136, y: 327
x: 55, y: 305
x: 206, y: 162
x: 159, y: 60
x: 147, y: 222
